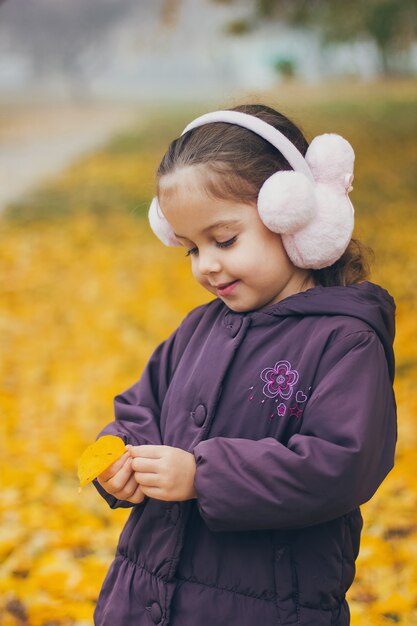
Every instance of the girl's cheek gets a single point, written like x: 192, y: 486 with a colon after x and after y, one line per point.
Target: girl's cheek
x: 194, y: 270
x: 237, y: 259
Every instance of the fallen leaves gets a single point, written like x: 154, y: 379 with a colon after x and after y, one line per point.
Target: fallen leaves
x: 98, y: 456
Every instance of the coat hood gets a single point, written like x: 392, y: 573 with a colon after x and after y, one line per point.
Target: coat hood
x: 366, y: 301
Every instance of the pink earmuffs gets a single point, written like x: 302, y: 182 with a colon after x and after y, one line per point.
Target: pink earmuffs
x: 309, y: 206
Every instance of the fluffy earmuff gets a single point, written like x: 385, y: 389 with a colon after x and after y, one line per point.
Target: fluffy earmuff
x: 308, y: 206
x: 315, y: 219
x: 160, y: 225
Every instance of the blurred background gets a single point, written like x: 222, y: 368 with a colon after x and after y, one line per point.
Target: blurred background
x: 91, y: 93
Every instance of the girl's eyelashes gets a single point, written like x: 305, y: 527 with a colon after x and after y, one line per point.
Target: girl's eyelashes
x: 226, y: 244
x: 219, y: 244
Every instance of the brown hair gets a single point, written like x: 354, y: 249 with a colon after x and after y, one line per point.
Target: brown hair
x: 238, y: 162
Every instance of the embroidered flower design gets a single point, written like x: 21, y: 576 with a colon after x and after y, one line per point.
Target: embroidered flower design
x: 281, y: 408
x: 279, y: 380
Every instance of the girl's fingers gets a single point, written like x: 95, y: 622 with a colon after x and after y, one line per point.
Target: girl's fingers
x: 118, y: 481
x: 148, y: 451
x: 128, y: 489
x: 154, y: 492
x: 147, y: 480
x: 114, y: 468
x: 139, y: 464
x: 138, y: 496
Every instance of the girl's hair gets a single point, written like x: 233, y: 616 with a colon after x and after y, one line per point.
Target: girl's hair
x: 236, y: 164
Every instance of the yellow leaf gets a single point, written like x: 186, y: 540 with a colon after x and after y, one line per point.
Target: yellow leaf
x: 98, y: 457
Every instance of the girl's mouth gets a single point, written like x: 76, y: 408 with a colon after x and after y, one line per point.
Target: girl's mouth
x: 226, y: 288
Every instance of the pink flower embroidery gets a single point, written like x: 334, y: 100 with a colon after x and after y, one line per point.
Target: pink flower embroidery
x: 279, y: 380
x: 281, y: 408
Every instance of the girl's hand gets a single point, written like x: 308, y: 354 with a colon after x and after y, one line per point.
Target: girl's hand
x: 119, y: 481
x: 164, y: 472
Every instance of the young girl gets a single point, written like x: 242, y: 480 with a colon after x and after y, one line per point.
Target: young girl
x: 262, y: 423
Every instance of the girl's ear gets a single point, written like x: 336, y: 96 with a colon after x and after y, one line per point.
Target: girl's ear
x: 160, y: 225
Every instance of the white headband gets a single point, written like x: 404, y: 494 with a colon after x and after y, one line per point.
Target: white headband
x: 261, y: 128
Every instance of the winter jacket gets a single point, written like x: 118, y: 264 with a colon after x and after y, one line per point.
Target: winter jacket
x: 291, y: 416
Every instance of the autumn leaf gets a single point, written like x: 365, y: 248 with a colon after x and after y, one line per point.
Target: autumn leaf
x: 98, y: 457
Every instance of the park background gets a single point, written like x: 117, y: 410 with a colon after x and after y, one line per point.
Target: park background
x: 90, y: 95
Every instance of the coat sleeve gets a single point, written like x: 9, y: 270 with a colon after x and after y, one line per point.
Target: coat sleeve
x: 342, y: 452
x: 137, y: 410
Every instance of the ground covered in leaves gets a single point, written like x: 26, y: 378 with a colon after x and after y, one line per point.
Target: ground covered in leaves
x: 87, y: 293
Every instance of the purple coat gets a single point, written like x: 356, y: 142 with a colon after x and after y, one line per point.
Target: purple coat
x: 291, y: 416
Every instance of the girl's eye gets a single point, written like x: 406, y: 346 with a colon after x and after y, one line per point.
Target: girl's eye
x: 219, y: 244
x: 226, y: 244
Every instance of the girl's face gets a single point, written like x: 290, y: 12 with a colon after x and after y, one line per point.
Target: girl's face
x: 233, y: 254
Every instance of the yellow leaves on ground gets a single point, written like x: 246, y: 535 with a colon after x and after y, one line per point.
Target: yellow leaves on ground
x: 85, y: 300
x: 98, y: 456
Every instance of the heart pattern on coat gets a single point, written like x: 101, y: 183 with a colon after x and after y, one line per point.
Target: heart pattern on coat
x: 300, y: 397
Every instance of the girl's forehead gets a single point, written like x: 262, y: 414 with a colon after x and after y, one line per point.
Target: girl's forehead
x: 186, y: 179
x: 190, y: 209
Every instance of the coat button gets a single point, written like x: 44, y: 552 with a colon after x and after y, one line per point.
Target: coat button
x: 156, y: 612
x: 199, y: 414
x: 237, y: 323
x: 233, y: 322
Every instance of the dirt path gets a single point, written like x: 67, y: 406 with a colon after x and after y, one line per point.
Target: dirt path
x: 38, y: 141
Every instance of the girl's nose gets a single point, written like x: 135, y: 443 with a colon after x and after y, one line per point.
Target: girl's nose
x: 208, y: 263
